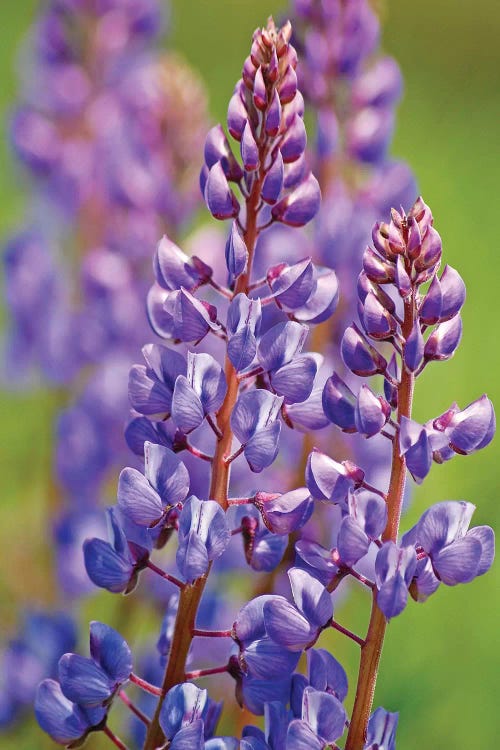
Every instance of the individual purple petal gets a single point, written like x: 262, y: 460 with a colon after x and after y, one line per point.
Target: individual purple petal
x: 339, y: 403
x: 308, y: 415
x: 159, y: 319
x: 203, y: 536
x: 273, y: 182
x: 286, y: 625
x: 105, y: 567
x: 299, y: 206
x: 249, y: 624
x: 280, y: 344
x: 416, y: 448
x: 292, y: 285
x: 458, y: 562
x: 137, y: 499
x: 256, y: 693
x: 285, y: 513
x: 218, y: 151
x: 294, y: 142
x: 273, y: 115
x: 220, y: 199
x: 151, y: 387
x: 444, y: 340
x: 262, y: 448
x: 295, y: 173
x: 402, y: 281
x: 352, y: 541
x: 166, y: 473
x: 254, y: 411
x: 370, y: 413
x: 110, y: 650
x: 442, y: 524
x: 328, y: 480
x: 430, y: 252
x: 323, y: 300
x: 236, y: 252
x: 394, y: 568
x: 187, y: 409
x: 191, y: 318
x: 326, y: 673
x: 207, y: 379
x: 83, y: 681
x: 62, y: 719
x: 183, y: 705
x: 140, y: 430
x: 472, y: 428
x: 301, y: 737
x: 172, y: 267
x: 377, y: 321
x: 311, y: 597
x: 453, y: 293
x: 430, y: 309
x: 324, y: 713
x: 424, y: 582
x: 487, y: 538
x: 249, y: 149
x: 381, y: 734
x: 376, y: 268
x: 413, y: 352
x: 236, y: 115
x: 360, y: 356
x: 294, y: 381
x: 263, y: 550
x: 265, y: 659
x: 189, y: 737
x: 316, y: 559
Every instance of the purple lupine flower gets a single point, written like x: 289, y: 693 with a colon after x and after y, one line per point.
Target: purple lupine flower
x: 66, y: 722
x: 93, y: 682
x: 263, y: 549
x: 285, y: 513
x: 457, y: 554
x: 316, y: 560
x: 328, y: 480
x: 147, y: 499
x: 115, y: 565
x: 298, y: 626
x: 323, y: 721
x: 365, y: 522
x: 151, y: 386
x: 254, y: 423
x: 203, y: 536
x: 181, y: 716
x: 198, y: 393
x: 243, y: 324
x: 394, y: 569
x: 381, y: 733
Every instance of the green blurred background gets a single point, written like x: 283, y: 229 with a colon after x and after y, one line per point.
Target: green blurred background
x: 441, y: 660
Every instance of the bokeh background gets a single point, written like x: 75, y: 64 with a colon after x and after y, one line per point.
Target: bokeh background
x: 441, y: 661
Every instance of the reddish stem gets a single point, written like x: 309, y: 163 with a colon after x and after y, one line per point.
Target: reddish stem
x: 205, y: 672
x: 137, y: 711
x: 166, y: 576
x: 114, y: 739
x: 348, y: 633
x: 212, y: 633
x: 147, y: 686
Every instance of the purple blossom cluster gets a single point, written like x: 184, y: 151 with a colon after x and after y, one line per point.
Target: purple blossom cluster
x: 224, y: 396
x: 232, y: 387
